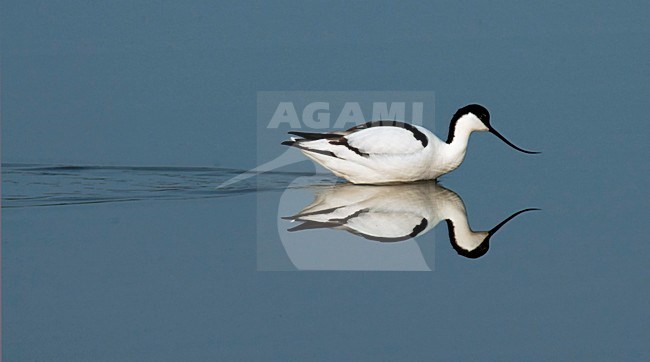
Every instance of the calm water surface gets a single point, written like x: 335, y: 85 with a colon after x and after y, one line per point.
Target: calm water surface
x: 104, y: 262
x: 161, y: 262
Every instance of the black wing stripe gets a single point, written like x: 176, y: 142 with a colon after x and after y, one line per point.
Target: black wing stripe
x: 315, y: 136
x: 419, y: 228
x: 409, y: 127
x: 344, y: 142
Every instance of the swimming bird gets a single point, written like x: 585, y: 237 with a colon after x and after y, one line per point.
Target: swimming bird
x: 387, y: 151
x: 393, y: 213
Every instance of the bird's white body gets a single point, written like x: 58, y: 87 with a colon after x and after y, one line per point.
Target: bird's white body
x: 389, y: 154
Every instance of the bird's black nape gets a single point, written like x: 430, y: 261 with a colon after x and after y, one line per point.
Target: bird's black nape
x: 478, y: 110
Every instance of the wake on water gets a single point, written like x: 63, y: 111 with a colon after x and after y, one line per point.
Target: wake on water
x: 33, y: 185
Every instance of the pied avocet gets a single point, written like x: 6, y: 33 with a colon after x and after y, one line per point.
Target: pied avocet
x: 390, y: 151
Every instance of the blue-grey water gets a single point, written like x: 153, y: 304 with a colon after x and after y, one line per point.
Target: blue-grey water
x: 32, y: 185
x: 121, y: 123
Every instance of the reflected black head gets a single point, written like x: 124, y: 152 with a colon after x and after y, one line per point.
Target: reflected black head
x: 478, y: 110
x: 483, y: 248
x: 476, y: 253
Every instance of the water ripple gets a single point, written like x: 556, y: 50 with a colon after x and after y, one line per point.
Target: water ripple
x: 55, y: 185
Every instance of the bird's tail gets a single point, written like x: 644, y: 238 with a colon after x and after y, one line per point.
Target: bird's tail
x: 307, y: 137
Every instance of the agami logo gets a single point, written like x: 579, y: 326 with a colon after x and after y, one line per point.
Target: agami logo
x: 319, y: 115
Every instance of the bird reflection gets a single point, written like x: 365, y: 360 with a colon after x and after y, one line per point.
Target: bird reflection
x: 392, y: 213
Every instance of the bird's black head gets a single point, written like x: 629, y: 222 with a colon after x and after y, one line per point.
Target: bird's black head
x: 484, y: 116
x: 478, y: 110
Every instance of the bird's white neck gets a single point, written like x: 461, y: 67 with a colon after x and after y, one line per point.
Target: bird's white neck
x: 458, y: 145
x: 451, y: 155
x: 453, y: 151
